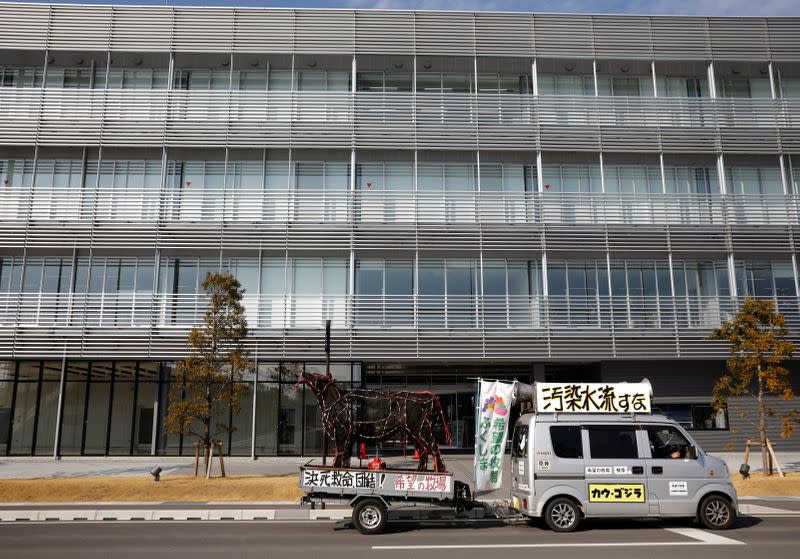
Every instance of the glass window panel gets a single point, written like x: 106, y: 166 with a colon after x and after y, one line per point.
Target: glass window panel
x: 760, y: 88
x: 604, y: 85
x: 566, y: 441
x: 487, y: 83
x: 242, y: 423
x: 790, y: 88
x: 337, y: 176
x: 430, y: 177
x: 625, y: 86
x: 338, y: 81
x: 398, y: 81
x: 491, y: 178
x: 307, y: 277
x: 519, y: 282
x: 494, y: 277
x: 429, y: 81
x: 369, y: 278
x: 458, y: 177
x: 310, y: 176
x: 290, y: 436
x: 277, y: 175
x: 32, y: 280
x: 273, y: 277
x: 369, y: 81
x: 557, y: 279
x: 280, y: 80
x: 734, y: 87
x: 460, y: 278
x: 399, y: 278
x: 335, y: 277
x: 431, y: 278
x: 456, y: 82
x: 122, y: 413
x: 266, y: 438
x: 22, y: 434
x: 399, y: 176
x: 514, y: 178
x: 369, y: 176
x: 253, y: 80
x: 612, y: 442
x: 72, y: 423
x: 784, y: 279
x: 311, y: 80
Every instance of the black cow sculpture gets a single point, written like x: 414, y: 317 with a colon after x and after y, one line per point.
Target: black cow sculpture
x: 351, y: 416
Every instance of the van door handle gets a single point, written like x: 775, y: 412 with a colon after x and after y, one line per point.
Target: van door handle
x: 637, y: 469
x: 657, y: 469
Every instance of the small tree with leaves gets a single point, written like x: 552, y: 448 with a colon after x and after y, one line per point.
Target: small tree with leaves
x: 757, y: 335
x: 208, y: 386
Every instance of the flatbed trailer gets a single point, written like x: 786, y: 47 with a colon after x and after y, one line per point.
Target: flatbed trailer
x: 372, y: 492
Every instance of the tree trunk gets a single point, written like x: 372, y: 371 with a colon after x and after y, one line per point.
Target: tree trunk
x: 762, y: 426
x: 207, y: 426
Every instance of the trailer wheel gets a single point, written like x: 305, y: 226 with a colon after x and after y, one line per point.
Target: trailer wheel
x: 369, y: 516
x: 562, y: 515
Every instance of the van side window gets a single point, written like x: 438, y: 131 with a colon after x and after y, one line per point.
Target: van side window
x: 666, y: 442
x: 566, y: 441
x: 519, y: 446
x: 612, y: 442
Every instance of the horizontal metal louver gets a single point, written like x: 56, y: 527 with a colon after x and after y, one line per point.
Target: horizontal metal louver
x: 208, y: 30
x: 79, y: 27
x: 622, y: 37
x: 380, y: 32
x: 319, y: 31
x: 222, y: 30
x: 444, y: 33
x: 270, y: 31
x: 129, y: 26
x: 504, y: 34
x: 680, y: 38
x: 558, y: 36
x: 738, y: 38
x: 24, y: 26
x: 782, y: 37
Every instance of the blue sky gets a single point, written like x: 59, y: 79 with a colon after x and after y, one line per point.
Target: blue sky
x: 683, y: 7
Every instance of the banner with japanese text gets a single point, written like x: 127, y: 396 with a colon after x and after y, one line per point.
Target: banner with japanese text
x: 593, y: 397
x: 494, y: 412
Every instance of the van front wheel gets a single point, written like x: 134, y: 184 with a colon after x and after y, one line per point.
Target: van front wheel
x: 717, y: 513
x: 562, y: 515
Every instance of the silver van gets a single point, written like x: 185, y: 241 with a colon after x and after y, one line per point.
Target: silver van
x: 565, y: 467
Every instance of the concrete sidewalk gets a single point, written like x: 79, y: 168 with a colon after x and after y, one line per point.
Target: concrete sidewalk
x: 74, y: 466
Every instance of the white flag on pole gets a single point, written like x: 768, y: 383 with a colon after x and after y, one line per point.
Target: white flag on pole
x: 494, y: 411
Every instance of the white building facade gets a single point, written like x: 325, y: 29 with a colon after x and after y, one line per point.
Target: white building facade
x: 530, y: 196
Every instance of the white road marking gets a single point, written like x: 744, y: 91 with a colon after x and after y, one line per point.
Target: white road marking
x: 710, y: 538
x: 698, y: 537
x: 760, y: 510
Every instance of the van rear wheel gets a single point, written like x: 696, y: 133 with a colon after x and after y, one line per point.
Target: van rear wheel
x: 716, y: 513
x: 562, y: 515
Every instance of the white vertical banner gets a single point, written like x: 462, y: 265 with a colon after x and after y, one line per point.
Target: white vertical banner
x: 494, y: 412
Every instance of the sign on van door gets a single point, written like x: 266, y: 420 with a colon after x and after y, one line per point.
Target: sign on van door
x: 616, y: 484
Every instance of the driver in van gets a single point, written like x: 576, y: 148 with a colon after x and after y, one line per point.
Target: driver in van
x: 675, y: 452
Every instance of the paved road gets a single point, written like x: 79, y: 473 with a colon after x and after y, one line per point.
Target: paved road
x: 774, y: 537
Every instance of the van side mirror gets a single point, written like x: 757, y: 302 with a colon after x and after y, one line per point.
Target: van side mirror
x: 691, y: 452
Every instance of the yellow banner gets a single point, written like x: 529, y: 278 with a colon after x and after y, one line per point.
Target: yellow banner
x: 616, y: 492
